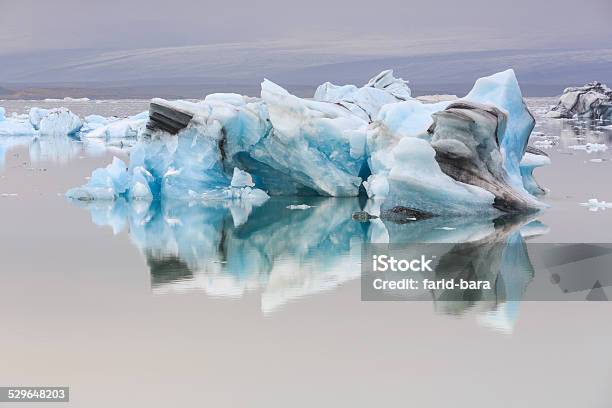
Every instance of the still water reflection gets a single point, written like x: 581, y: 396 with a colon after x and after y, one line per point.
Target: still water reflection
x: 227, y: 250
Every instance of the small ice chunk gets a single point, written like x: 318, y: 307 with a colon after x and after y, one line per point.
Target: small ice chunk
x: 2, y: 114
x: 254, y: 196
x: 105, y: 183
x: 590, y: 147
x: 437, y: 98
x: 127, y: 128
x: 543, y: 143
x: 595, y: 205
x: 299, y: 206
x: 241, y: 179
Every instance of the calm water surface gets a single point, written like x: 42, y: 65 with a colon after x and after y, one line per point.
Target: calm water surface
x: 227, y: 305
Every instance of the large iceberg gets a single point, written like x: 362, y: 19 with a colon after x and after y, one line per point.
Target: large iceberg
x: 591, y: 101
x: 423, y: 158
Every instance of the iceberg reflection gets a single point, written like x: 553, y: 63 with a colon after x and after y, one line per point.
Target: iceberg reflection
x: 227, y: 248
x: 59, y: 149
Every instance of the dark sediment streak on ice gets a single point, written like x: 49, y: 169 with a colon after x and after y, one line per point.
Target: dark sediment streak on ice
x: 466, y: 137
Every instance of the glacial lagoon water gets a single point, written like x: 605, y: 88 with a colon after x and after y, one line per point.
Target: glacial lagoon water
x: 147, y: 305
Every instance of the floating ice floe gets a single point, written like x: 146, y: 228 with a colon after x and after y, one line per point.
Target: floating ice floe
x: 590, y: 147
x: 592, y: 101
x: 15, y: 125
x: 544, y: 144
x: 298, y: 207
x: 420, y: 159
x: 58, y: 121
x: 39, y: 121
x: 595, y: 205
x: 113, y: 128
x: 437, y: 98
x: 104, y: 184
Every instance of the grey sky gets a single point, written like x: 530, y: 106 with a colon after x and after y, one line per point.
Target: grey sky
x: 184, y: 47
x: 29, y: 25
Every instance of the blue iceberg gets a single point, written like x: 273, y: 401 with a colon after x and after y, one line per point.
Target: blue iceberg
x: 445, y: 158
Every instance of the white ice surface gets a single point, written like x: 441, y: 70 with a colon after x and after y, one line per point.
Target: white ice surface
x: 59, y: 121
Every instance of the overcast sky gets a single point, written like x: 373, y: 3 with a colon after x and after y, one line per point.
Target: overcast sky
x: 31, y: 25
x: 439, y: 45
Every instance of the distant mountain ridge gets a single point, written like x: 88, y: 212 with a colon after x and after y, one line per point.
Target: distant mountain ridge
x: 192, y: 72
